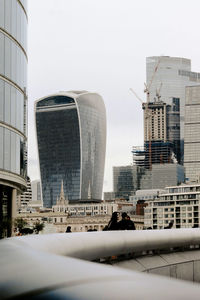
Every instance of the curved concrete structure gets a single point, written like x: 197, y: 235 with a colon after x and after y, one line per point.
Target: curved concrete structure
x: 71, y: 134
x: 45, y: 272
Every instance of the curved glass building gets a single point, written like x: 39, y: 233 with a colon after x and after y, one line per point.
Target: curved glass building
x: 13, y: 103
x: 71, y: 135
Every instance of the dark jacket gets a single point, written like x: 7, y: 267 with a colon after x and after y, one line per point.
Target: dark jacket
x: 126, y: 225
x: 113, y: 226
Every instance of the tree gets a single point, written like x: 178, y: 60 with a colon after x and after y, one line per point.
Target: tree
x: 38, y: 227
x: 20, y: 224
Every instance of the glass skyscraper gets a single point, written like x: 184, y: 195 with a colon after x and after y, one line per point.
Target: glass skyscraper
x: 192, y: 133
x: 13, y: 106
x: 71, y: 135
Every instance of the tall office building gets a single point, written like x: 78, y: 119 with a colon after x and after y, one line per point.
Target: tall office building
x: 123, y: 181
x: 155, y: 121
x: 13, y: 107
x: 71, y: 135
x: 36, y: 190
x: 192, y: 133
x: 161, y: 134
x: 173, y: 74
x: 25, y: 198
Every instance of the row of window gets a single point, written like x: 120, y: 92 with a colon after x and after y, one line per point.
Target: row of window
x: 12, y: 152
x: 13, y: 20
x: 13, y: 63
x: 11, y: 106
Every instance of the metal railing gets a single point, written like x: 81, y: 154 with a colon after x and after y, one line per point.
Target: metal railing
x: 35, y: 265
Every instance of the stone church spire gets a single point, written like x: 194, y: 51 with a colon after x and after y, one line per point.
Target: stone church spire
x: 62, y: 199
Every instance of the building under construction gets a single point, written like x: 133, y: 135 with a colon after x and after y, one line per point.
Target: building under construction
x: 161, y: 134
x: 154, y: 152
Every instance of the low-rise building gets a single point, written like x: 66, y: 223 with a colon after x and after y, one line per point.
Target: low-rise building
x: 144, y: 195
x: 59, y: 221
x: 82, y: 209
x: 179, y: 204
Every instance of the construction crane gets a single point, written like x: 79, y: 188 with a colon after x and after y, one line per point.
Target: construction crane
x: 147, y: 87
x: 158, y: 96
x: 136, y: 95
x: 147, y: 116
x: 146, y: 106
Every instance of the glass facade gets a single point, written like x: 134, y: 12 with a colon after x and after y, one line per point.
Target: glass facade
x: 123, y: 181
x: 13, y: 84
x: 71, y: 134
x: 13, y: 100
x: 192, y: 133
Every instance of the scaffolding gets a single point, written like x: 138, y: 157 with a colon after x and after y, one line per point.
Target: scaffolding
x: 154, y: 152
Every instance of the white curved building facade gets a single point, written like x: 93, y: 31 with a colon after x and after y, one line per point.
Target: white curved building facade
x: 71, y: 135
x: 13, y: 102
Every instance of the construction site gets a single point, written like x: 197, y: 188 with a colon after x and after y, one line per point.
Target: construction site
x: 161, y: 130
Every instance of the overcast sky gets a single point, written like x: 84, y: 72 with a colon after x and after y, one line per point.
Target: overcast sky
x: 101, y: 46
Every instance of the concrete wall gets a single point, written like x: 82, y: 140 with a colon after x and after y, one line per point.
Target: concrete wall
x: 181, y: 265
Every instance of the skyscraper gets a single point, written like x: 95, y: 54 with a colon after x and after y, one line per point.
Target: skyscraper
x: 13, y: 106
x: 162, y: 132
x: 36, y: 190
x: 172, y: 75
x: 71, y: 135
x: 123, y: 181
x: 192, y: 133
x: 25, y: 198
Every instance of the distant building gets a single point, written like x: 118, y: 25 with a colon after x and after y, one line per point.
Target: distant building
x: 36, y: 190
x: 123, y: 182
x: 179, y: 204
x: 144, y: 195
x: 71, y: 135
x: 162, y: 175
x: 80, y: 210
x: 58, y: 221
x: 155, y: 121
x: 161, y: 134
x: 25, y: 198
x: 157, y: 164
x: 173, y: 129
x: 109, y: 196
x: 192, y: 133
x: 173, y: 74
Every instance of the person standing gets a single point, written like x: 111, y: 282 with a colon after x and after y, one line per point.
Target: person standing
x: 68, y: 229
x: 126, y: 223
x: 113, y: 223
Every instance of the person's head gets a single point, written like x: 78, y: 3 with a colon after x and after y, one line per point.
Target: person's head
x: 68, y: 229
x: 115, y: 216
x: 124, y: 215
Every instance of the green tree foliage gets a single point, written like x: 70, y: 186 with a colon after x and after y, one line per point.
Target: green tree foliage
x: 20, y: 223
x: 38, y: 227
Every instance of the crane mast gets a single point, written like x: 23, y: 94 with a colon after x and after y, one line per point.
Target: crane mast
x: 145, y: 105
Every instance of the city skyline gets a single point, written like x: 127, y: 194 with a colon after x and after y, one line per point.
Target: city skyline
x: 105, y: 57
